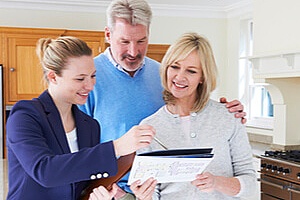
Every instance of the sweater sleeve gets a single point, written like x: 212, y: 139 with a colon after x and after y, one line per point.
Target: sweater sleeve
x: 242, y: 160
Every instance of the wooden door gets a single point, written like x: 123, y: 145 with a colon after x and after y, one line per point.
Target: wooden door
x: 22, y: 70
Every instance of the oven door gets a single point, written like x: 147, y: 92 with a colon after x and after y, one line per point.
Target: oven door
x: 274, y: 189
x: 295, y: 191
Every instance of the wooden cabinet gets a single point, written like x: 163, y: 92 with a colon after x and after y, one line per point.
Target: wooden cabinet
x: 94, y: 39
x: 22, y: 71
x: 157, y: 51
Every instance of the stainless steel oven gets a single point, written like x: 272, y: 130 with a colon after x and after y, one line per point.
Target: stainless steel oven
x: 280, y: 175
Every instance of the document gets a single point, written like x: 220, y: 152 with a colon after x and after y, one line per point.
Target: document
x: 165, y: 166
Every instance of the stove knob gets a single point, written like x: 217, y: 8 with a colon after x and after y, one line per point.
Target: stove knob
x: 286, y: 171
x: 269, y: 167
x: 280, y: 169
x: 263, y: 165
x: 274, y: 168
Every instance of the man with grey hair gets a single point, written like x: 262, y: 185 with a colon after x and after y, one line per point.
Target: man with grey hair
x: 128, y: 87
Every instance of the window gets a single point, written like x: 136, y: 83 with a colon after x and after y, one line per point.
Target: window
x: 254, y: 96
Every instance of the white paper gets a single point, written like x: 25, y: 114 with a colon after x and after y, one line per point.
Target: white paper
x: 166, y: 169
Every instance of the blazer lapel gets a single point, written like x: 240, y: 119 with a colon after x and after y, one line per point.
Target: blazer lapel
x: 83, y: 130
x: 54, y: 120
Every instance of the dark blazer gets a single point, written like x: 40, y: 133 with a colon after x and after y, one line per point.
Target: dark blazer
x: 40, y: 164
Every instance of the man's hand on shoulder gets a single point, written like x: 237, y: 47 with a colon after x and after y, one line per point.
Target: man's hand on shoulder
x: 236, y: 107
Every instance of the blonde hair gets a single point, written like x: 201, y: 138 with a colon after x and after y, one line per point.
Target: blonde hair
x: 54, y: 53
x: 133, y: 11
x: 186, y: 44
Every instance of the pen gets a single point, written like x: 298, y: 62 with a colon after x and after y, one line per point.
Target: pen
x: 160, y: 143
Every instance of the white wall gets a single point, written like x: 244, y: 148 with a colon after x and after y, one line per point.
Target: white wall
x: 51, y: 19
x: 164, y: 30
x: 231, y: 73
x: 276, y: 26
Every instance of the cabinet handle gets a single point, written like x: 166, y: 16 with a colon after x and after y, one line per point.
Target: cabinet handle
x: 12, y: 69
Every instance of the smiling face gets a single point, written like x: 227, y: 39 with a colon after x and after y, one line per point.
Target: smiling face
x: 184, y: 76
x: 76, y: 81
x: 188, y: 73
x: 128, y: 44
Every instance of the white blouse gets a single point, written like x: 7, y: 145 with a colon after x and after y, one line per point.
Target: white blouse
x: 72, y: 141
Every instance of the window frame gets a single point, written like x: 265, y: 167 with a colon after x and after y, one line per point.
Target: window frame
x: 246, y: 83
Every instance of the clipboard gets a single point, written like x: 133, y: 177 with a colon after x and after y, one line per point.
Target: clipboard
x: 181, y: 153
x: 174, y: 165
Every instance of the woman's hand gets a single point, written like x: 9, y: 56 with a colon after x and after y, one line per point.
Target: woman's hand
x: 101, y: 193
x: 205, y: 182
x: 208, y: 182
x: 236, y: 107
x: 144, y: 191
x: 137, y: 137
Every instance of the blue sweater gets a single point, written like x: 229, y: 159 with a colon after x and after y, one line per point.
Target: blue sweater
x: 119, y: 101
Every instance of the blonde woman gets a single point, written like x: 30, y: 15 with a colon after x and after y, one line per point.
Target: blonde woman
x: 190, y: 119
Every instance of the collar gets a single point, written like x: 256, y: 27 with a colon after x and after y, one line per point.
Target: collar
x: 107, y: 53
x: 192, y: 114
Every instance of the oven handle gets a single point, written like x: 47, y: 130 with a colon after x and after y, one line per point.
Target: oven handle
x: 293, y: 190
x: 282, y: 187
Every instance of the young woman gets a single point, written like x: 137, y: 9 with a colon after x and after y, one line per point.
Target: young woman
x: 190, y: 119
x: 53, y: 147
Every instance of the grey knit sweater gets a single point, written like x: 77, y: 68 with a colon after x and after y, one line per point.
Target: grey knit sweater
x: 213, y: 127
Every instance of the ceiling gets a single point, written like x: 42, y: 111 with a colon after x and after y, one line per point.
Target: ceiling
x: 188, y: 8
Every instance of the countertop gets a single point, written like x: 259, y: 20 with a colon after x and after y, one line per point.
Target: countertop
x: 259, y: 149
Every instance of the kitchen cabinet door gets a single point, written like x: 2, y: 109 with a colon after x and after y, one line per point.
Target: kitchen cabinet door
x: 94, y: 39
x: 22, y: 71
x: 157, y: 51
